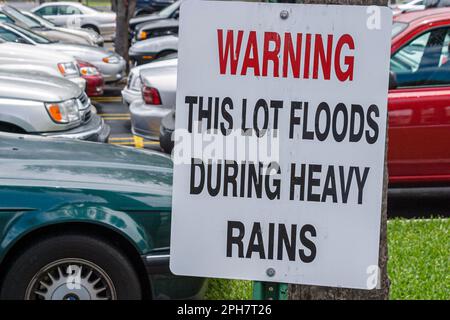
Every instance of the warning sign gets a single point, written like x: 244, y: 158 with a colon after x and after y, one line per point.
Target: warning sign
x: 280, y: 142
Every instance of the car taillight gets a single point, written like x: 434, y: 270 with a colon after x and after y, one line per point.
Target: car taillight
x: 151, y: 95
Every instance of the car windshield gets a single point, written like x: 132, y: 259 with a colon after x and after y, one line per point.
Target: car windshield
x: 8, y: 35
x: 16, y: 15
x: 31, y: 35
x: 398, y: 27
x: 167, y: 11
x: 42, y: 21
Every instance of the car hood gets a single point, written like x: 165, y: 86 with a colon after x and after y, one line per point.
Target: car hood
x: 33, y: 161
x: 62, y: 36
x: 161, y: 23
x: 155, y: 64
x: 29, y: 53
x: 153, y: 44
x: 147, y: 18
x: 81, y: 51
x: 36, y: 87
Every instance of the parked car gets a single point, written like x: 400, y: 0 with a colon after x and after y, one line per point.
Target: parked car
x: 133, y: 89
x: 111, y: 65
x: 97, y: 210
x: 17, y: 57
x: 94, y: 79
x: 413, y: 5
x: 49, y: 106
x: 11, y: 15
x: 158, y: 99
x: 156, y: 29
x: 89, y: 35
x: 148, y: 50
x: 144, y: 7
x: 170, y: 12
x: 166, y: 131
x: 419, y: 108
x: 74, y: 14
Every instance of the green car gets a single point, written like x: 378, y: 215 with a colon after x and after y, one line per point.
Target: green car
x: 83, y: 220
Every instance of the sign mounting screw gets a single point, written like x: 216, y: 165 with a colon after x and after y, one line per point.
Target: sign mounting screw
x: 270, y: 272
x: 284, y: 14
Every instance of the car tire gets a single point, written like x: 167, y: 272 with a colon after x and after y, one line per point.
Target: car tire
x: 91, y: 27
x: 73, y: 256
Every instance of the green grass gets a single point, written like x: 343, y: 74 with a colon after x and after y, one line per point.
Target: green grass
x: 419, y: 266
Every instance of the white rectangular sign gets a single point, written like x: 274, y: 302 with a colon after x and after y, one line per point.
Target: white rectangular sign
x: 280, y: 141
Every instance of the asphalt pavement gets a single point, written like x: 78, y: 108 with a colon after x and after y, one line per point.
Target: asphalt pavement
x: 117, y: 116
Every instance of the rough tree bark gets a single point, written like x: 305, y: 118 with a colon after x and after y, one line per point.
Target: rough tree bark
x: 303, y: 292
x: 124, y: 10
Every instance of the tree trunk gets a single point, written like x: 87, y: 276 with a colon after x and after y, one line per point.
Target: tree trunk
x: 124, y: 10
x: 303, y: 292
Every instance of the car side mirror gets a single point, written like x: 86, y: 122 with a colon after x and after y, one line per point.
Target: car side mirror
x: 176, y: 14
x: 392, y: 80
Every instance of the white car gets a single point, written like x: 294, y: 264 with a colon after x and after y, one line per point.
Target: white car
x: 148, y: 50
x: 25, y: 58
x: 133, y: 89
x: 414, y: 5
x: 111, y: 65
x: 92, y: 37
x: 74, y: 14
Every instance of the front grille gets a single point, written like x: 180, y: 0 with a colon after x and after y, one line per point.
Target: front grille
x: 84, y: 101
x: 87, y: 116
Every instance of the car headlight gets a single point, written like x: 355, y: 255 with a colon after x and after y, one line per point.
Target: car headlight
x: 68, y: 69
x: 89, y: 71
x: 64, y: 112
x: 111, y: 59
x: 142, y: 35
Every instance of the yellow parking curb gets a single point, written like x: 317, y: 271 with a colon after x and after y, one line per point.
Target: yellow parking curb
x: 138, y: 142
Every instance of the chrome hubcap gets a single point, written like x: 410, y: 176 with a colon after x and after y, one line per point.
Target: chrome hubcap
x: 71, y: 279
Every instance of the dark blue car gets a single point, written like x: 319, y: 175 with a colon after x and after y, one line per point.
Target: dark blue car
x: 150, y: 6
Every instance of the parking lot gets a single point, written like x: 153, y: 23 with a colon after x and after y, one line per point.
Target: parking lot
x: 117, y: 116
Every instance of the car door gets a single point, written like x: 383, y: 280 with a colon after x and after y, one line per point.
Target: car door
x: 48, y: 12
x: 69, y: 16
x: 419, y: 109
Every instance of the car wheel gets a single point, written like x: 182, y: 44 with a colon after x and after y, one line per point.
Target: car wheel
x: 71, y: 267
x: 91, y: 27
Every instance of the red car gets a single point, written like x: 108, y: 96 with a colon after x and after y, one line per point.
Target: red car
x: 419, y: 99
x: 93, y: 77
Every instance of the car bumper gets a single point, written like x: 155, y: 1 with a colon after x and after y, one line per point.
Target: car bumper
x: 95, y: 130
x: 112, y: 71
x: 128, y: 96
x: 94, y: 85
x: 165, y: 285
x: 146, y: 119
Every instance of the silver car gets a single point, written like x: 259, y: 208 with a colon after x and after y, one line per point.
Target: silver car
x: 89, y: 35
x: 9, y: 14
x: 73, y: 14
x: 148, y: 50
x: 133, y: 89
x: 111, y: 65
x: 15, y: 57
x: 49, y: 106
x: 158, y: 99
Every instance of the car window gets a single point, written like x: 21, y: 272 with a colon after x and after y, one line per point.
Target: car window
x: 424, y: 61
x: 68, y: 10
x: 31, y: 35
x: 10, y: 36
x: 4, y: 18
x: 47, y: 11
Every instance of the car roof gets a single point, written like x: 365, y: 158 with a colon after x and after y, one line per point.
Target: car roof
x: 429, y: 15
x: 63, y: 3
